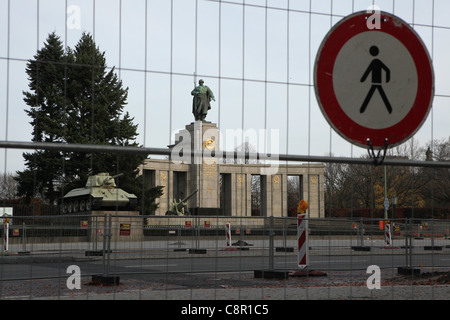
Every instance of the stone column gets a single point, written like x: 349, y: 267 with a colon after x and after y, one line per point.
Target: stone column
x: 275, y: 195
x: 239, y: 202
x: 161, y: 178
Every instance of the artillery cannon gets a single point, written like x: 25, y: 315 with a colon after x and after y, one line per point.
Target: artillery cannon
x: 99, y: 193
x: 180, y: 208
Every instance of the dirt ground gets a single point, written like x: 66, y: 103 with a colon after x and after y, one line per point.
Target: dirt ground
x: 161, y: 283
x: 424, y: 278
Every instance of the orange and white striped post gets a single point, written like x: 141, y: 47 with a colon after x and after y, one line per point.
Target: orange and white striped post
x: 302, y: 242
x: 388, y: 234
x: 302, y: 235
x: 228, y: 234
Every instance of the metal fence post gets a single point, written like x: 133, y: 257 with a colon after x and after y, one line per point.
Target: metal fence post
x: 409, y: 246
x: 197, y: 233
x: 271, y: 234
x: 408, y: 269
x: 108, y: 252
x: 24, y: 238
x: 106, y: 277
x: 361, y: 230
x: 407, y: 243
x: 106, y: 245
x: 432, y: 234
x: 94, y: 236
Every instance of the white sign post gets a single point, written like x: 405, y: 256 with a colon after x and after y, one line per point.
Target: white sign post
x: 6, y: 214
x: 6, y: 236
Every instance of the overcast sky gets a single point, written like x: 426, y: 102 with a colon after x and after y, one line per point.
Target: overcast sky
x: 257, y: 60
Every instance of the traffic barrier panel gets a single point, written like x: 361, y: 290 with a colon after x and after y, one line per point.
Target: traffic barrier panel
x: 228, y: 234
x: 228, y: 238
x: 387, y: 234
x: 302, y: 241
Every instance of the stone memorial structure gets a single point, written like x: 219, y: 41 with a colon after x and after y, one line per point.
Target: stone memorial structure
x: 238, y: 188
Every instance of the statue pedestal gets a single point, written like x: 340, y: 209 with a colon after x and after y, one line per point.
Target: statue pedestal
x: 201, y: 137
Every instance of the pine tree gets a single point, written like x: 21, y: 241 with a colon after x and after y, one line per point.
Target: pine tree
x: 76, y: 98
x: 96, y: 99
x: 46, y: 100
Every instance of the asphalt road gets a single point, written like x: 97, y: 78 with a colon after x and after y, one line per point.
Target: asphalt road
x: 41, y: 268
x: 46, y: 274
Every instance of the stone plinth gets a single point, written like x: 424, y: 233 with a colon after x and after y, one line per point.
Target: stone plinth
x: 203, y: 138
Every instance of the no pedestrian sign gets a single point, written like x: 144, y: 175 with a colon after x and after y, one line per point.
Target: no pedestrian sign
x: 374, y: 83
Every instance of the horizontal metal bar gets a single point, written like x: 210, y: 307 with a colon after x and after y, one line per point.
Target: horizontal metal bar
x: 90, y: 148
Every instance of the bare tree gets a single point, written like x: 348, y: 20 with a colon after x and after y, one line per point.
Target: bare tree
x: 436, y: 182
x: 366, y: 186
x: 8, y: 186
x: 294, y: 194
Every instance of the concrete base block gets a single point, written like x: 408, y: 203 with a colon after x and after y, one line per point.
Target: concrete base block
x: 307, y: 273
x: 197, y: 251
x: 284, y: 249
x: 106, y: 279
x: 270, y: 274
x: 361, y: 248
x: 408, y: 271
x: 93, y: 253
x: 436, y: 248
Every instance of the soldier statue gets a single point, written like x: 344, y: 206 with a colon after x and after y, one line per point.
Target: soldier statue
x: 201, y: 102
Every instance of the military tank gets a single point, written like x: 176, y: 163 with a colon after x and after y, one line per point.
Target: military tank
x: 99, y: 193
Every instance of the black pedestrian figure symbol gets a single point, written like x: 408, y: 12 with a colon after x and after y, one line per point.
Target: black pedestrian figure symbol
x: 376, y: 67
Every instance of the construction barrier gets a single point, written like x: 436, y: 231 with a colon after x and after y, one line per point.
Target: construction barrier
x: 228, y: 234
x: 388, y: 234
x: 302, y: 240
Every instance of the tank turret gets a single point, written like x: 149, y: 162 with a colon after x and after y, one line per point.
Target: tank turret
x: 99, y: 193
x: 102, y: 180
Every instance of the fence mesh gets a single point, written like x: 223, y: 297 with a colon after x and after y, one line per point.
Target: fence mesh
x: 136, y: 257
x: 258, y: 59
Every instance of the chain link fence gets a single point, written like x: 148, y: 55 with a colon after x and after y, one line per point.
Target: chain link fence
x: 121, y: 256
x: 258, y: 58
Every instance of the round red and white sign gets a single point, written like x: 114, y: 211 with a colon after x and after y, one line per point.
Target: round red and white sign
x: 374, y: 83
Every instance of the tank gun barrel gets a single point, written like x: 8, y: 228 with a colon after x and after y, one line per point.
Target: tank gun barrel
x: 190, y: 196
x: 180, y: 205
x: 111, y: 178
x: 116, y: 176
